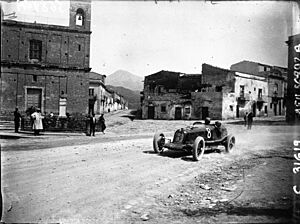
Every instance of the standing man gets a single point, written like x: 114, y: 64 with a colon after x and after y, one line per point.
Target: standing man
x: 17, y: 119
x: 92, y: 125
x: 250, y: 120
x: 102, y: 123
x: 246, y: 119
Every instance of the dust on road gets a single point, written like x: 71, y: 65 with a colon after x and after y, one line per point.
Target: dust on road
x: 122, y: 181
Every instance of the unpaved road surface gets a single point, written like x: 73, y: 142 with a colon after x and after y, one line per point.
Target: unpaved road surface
x: 116, y: 178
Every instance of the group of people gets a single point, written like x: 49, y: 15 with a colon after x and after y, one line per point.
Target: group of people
x: 35, y: 117
x: 37, y: 121
x: 93, y: 122
x: 248, y: 118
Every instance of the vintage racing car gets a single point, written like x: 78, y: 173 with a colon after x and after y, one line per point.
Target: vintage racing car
x: 195, y: 139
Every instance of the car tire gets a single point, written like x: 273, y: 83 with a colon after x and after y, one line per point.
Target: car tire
x: 158, y: 142
x: 198, y: 148
x: 229, y: 144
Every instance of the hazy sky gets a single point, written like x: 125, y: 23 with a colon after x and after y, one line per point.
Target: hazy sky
x: 144, y: 37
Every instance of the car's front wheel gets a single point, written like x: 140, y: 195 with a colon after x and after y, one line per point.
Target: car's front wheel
x: 229, y: 144
x: 198, y: 148
x: 158, y: 142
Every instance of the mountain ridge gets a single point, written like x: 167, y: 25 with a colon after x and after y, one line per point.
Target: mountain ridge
x: 123, y: 78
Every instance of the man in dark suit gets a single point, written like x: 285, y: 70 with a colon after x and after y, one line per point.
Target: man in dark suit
x: 92, y: 124
x: 250, y: 120
x: 17, y: 119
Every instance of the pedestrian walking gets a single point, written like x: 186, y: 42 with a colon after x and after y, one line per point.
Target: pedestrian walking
x: 17, y: 119
x: 246, y: 119
x: 102, y: 123
x: 250, y: 120
x: 37, y: 121
x: 92, y: 124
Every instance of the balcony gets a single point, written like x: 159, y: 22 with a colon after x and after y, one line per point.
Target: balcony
x: 260, y: 99
x: 241, y: 100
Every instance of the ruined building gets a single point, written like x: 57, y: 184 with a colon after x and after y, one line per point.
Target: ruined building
x: 167, y: 95
x: 218, y: 93
x: 47, y: 66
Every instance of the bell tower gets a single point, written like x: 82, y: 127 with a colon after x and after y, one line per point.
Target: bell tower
x: 80, y: 15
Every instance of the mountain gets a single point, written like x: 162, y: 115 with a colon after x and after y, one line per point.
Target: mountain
x: 133, y: 97
x: 126, y: 80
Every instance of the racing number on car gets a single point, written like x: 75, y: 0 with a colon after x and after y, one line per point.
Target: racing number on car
x: 208, y: 133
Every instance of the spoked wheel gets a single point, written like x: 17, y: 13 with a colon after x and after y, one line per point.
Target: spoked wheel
x: 158, y: 142
x: 229, y: 144
x: 198, y: 148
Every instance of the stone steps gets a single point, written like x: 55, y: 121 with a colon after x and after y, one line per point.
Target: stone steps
x: 7, y: 125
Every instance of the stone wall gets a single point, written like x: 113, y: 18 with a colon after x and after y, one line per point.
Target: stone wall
x: 60, y: 46
x: 210, y: 100
x: 169, y: 101
x: 61, y: 71
x: 15, y: 84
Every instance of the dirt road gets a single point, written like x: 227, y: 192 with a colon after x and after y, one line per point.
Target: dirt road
x: 113, y: 179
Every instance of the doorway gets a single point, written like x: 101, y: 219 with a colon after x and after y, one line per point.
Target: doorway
x: 178, y: 113
x: 91, y: 106
x: 205, y: 113
x: 237, y: 111
x: 151, y: 112
x: 275, y: 109
x: 34, y: 98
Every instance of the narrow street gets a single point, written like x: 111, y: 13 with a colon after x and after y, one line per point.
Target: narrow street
x: 117, y: 178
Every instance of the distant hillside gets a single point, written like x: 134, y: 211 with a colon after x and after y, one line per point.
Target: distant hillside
x: 133, y: 97
x: 125, y: 79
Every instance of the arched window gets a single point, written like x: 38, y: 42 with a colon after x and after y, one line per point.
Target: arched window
x: 79, y: 17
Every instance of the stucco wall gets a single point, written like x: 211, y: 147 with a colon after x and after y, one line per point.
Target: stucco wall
x: 252, y: 84
x: 211, y: 100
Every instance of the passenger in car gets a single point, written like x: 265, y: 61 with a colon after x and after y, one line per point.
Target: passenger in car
x: 207, y: 121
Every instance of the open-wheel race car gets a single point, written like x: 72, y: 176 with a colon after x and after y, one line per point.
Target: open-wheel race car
x: 195, y: 139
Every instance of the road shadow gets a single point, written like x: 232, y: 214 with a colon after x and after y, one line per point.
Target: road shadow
x: 149, y: 152
x: 169, y: 153
x: 241, y: 211
x: 186, y: 156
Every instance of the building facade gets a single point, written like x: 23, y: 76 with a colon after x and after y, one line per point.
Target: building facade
x: 167, y: 95
x: 230, y: 94
x: 277, y: 83
x: 102, y: 99
x: 218, y: 93
x: 46, y: 66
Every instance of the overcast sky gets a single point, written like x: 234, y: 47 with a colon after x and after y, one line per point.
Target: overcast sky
x: 144, y: 37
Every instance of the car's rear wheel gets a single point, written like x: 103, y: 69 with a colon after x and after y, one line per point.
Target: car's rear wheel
x: 229, y: 144
x: 198, y: 148
x: 158, y: 142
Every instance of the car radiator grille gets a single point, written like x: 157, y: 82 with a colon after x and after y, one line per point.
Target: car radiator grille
x: 178, y: 136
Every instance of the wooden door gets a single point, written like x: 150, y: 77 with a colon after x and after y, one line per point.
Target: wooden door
x: 151, y: 112
x: 178, y: 113
x: 34, y: 98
